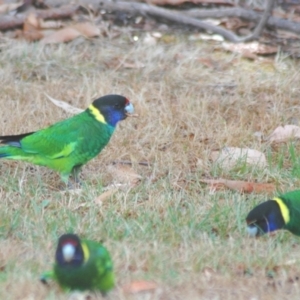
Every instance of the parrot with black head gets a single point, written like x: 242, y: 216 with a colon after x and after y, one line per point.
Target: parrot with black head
x: 69, y: 144
x: 282, y: 212
x: 81, y: 265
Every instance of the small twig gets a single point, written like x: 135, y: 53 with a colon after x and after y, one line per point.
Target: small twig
x: 167, y: 14
x: 262, y: 23
x: 188, y: 17
x: 9, y: 22
x: 128, y: 162
x: 245, y: 14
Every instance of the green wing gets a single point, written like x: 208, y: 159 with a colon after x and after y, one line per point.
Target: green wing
x: 105, y: 270
x: 103, y: 260
x: 58, y: 140
x: 104, y: 280
x: 47, y: 276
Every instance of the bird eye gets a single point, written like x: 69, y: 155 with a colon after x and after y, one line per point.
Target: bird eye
x: 118, y: 106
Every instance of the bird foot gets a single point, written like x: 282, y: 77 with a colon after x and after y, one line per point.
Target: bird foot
x: 74, y: 186
x: 69, y: 186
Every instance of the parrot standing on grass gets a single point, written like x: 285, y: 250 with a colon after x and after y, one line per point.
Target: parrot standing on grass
x: 281, y: 212
x: 67, y: 145
x: 81, y: 265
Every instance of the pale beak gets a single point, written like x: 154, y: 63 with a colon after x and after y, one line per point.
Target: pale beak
x: 129, y: 108
x: 252, y: 230
x: 68, y: 252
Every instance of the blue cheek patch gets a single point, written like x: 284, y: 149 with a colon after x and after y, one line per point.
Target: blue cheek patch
x: 271, y: 224
x: 113, y: 117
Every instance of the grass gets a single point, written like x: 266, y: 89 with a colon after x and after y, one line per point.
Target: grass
x: 170, y: 228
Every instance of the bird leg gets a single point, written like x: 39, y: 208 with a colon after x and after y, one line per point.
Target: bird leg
x: 65, y: 179
x: 75, y: 173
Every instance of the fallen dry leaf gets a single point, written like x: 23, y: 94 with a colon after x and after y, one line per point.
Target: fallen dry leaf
x: 228, y: 157
x: 65, y: 106
x: 284, y: 133
x: 124, y: 174
x: 105, y: 196
x: 32, y: 21
x: 87, y: 29
x: 139, y: 286
x: 31, y: 28
x: 111, y: 190
x: 241, y: 186
x: 70, y: 33
x: 61, y: 36
x: 249, y: 50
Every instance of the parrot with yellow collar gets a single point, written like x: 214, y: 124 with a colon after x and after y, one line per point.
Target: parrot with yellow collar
x: 82, y: 265
x: 69, y: 144
x: 282, y: 212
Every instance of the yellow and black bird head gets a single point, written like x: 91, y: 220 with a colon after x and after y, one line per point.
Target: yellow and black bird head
x: 266, y: 217
x: 69, y: 251
x: 111, y: 109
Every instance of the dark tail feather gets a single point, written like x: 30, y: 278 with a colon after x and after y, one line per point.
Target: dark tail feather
x: 3, y: 155
x: 13, y: 140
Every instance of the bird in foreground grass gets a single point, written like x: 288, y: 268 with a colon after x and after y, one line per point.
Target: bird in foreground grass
x: 67, y: 145
x: 282, y: 212
x: 81, y: 265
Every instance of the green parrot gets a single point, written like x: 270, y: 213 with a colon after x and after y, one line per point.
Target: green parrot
x: 81, y: 265
x: 67, y: 145
x: 281, y: 212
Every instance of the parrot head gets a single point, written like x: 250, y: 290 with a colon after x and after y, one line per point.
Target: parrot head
x: 111, y: 109
x: 69, y: 251
x: 265, y: 217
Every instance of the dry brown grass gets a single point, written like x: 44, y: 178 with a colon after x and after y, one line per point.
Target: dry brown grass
x: 169, y: 229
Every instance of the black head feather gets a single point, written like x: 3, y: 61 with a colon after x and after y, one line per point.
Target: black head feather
x: 74, y: 240
x: 114, y: 108
x: 266, y: 216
